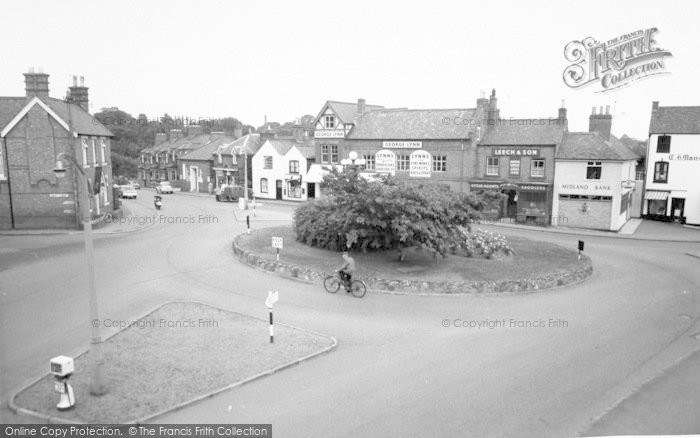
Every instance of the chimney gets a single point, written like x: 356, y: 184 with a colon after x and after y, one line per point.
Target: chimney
x: 78, y: 94
x: 601, y: 123
x: 493, y: 108
x: 482, y: 105
x: 655, y: 105
x: 175, y: 134
x: 562, y: 114
x: 361, y: 106
x: 161, y: 137
x: 36, y: 84
x: 238, y: 132
x: 267, y: 134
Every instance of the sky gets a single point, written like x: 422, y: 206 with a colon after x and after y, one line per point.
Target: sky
x: 281, y: 60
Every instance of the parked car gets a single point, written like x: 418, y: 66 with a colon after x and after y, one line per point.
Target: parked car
x: 127, y: 191
x: 135, y: 185
x: 229, y: 193
x: 164, y: 187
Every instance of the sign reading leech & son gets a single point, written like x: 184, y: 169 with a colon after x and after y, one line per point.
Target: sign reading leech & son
x: 517, y: 152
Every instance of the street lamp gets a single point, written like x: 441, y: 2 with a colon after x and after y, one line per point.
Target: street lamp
x: 353, y: 160
x: 98, y: 384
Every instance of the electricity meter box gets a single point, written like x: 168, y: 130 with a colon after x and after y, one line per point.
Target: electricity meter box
x: 62, y: 366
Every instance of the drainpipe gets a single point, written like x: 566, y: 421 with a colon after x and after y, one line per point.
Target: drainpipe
x: 9, y: 183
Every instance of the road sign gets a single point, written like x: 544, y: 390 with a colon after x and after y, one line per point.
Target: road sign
x: 580, y: 245
x: 272, y: 298
x: 277, y: 242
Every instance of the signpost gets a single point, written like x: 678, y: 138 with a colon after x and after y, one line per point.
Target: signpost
x: 277, y: 243
x: 272, y: 298
x: 580, y: 248
x: 247, y: 221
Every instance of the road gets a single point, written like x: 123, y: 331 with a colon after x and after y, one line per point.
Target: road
x: 397, y: 370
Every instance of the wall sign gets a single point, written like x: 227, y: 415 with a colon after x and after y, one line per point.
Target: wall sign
x: 329, y: 133
x: 420, y: 163
x: 402, y: 144
x: 517, y: 152
x: 532, y: 188
x: 485, y: 186
x: 385, y: 162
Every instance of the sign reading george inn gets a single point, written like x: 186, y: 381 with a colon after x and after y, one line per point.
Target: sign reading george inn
x: 615, y: 62
x: 329, y: 133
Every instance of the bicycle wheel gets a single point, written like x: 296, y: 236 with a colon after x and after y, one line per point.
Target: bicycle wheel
x: 358, y: 289
x: 332, y: 284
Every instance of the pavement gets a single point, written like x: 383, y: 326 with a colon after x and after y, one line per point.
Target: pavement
x: 637, y: 229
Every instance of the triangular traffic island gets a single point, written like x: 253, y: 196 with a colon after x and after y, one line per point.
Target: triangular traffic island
x: 177, y: 354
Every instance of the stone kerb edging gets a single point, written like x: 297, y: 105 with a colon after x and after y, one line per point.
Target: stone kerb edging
x: 548, y: 281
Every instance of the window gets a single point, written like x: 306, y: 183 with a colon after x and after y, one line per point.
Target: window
x: 268, y: 162
x: 325, y: 154
x: 492, y: 166
x: 263, y: 185
x: 294, y: 166
x: 661, y: 172
x: 402, y: 162
x: 369, y: 162
x: 594, y: 170
x: 440, y: 163
x: 329, y: 122
x: 334, y: 153
x: 663, y: 144
x: 85, y: 152
x: 537, y: 168
x: 94, y: 152
x: 103, y: 150
x: 514, y: 166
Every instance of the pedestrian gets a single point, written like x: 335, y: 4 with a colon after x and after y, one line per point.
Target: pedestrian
x: 210, y: 187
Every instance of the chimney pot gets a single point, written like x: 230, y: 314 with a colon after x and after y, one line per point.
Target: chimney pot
x: 655, y: 105
x: 593, y: 111
x: 361, y: 106
x: 607, y: 109
x: 601, y: 110
x: 82, y: 81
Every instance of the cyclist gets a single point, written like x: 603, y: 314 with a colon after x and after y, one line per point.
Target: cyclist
x: 347, y: 270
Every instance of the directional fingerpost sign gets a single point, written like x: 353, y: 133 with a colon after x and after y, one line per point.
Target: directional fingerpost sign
x: 272, y: 298
x: 277, y: 243
x: 580, y: 248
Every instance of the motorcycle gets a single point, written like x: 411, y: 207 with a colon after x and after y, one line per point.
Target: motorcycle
x: 158, y: 202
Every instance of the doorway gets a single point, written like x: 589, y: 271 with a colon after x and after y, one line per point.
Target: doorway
x: 310, y: 190
x: 278, y: 191
x: 510, y: 204
x: 678, y: 210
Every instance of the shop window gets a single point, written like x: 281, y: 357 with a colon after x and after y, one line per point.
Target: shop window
x: 294, y: 166
x: 268, y: 162
x: 537, y: 168
x: 325, y: 153
x: 263, y: 185
x: 514, y: 167
x: 663, y: 144
x: 532, y: 203
x: 594, y: 170
x: 294, y: 189
x: 661, y: 172
x: 329, y: 121
x: 564, y: 196
x: 440, y: 163
x: 492, y: 166
x: 657, y: 207
x: 369, y: 162
x: 402, y: 162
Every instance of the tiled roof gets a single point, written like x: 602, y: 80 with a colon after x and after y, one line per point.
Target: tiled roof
x: 282, y: 146
x: 675, y: 120
x: 308, y: 151
x: 524, y: 132
x: 79, y: 120
x: 250, y: 142
x: 206, y: 152
x: 591, y: 146
x: 347, y: 111
x: 403, y: 124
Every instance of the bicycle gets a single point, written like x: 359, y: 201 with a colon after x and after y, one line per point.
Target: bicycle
x: 332, y: 283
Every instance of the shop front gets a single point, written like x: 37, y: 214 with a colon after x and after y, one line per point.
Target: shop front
x: 225, y: 175
x: 528, y: 203
x: 293, y: 188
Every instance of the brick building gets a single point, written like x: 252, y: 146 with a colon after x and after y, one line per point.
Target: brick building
x: 516, y: 157
x: 34, y: 130
x: 197, y: 166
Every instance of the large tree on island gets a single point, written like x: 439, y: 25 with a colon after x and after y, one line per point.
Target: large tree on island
x: 381, y: 214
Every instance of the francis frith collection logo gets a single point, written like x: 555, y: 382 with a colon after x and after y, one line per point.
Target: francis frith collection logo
x: 616, y: 62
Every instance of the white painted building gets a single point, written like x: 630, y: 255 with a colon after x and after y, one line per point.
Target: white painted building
x: 672, y: 186
x: 593, y: 178
x: 280, y: 168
